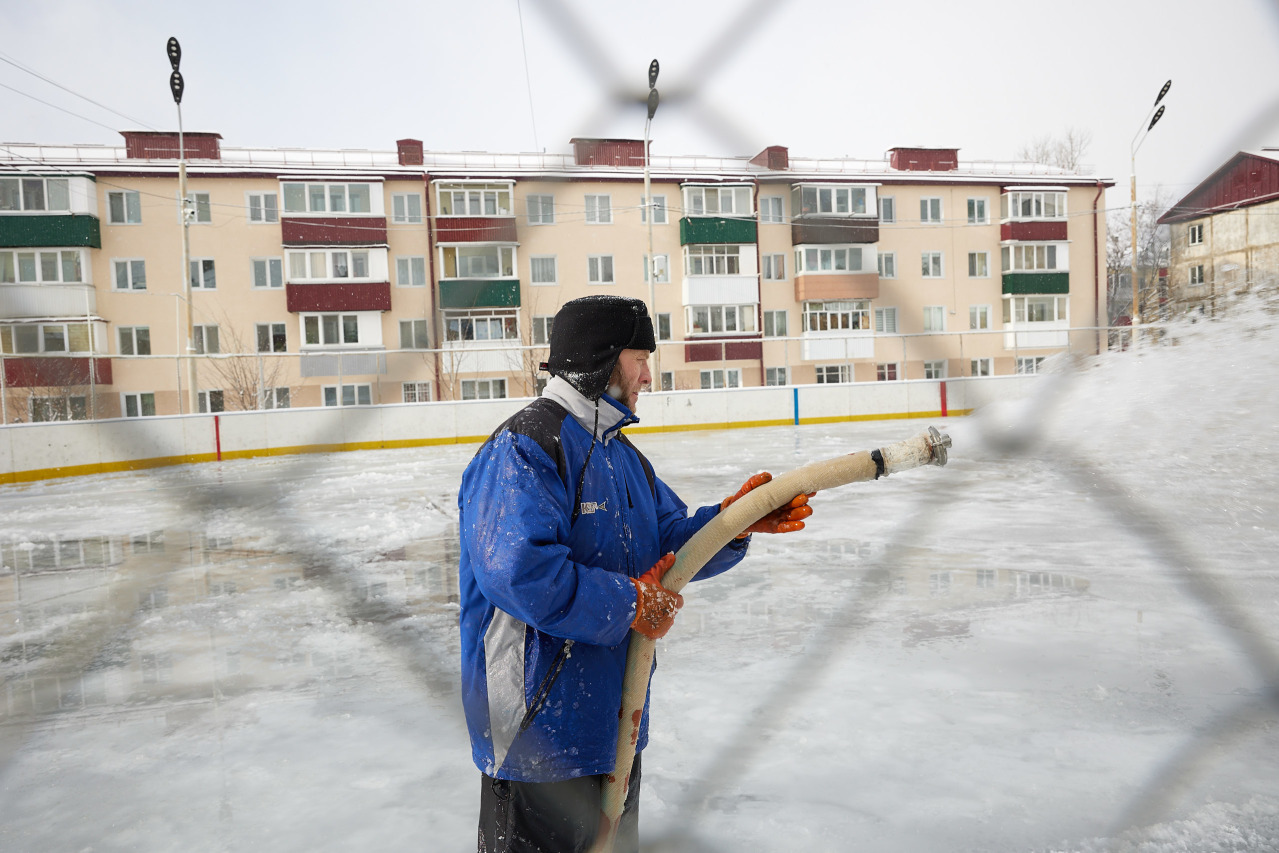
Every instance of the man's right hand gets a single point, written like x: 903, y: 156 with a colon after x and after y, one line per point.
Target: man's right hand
x: 655, y: 605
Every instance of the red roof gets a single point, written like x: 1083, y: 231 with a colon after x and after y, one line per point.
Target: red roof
x: 1248, y: 178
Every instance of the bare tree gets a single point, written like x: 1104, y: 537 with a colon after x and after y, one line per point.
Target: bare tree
x: 1153, y: 255
x: 1064, y: 151
x: 59, y: 390
x: 245, y: 372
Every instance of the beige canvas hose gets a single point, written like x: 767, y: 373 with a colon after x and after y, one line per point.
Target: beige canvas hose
x: 927, y: 448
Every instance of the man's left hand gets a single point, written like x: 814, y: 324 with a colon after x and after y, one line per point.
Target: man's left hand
x: 784, y: 519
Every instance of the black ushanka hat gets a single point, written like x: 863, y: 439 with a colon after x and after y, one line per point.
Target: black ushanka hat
x: 589, y: 334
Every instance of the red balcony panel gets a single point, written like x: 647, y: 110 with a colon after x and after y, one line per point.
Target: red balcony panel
x: 366, y: 296
x: 333, y: 231
x: 730, y: 350
x: 1047, y: 230
x: 475, y: 229
x: 51, y: 372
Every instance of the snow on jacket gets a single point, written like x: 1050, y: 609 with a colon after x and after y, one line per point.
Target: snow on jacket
x: 533, y: 574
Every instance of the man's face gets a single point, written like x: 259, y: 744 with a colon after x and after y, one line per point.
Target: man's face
x: 630, y: 376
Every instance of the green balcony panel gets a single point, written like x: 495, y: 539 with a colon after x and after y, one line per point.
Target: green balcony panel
x: 23, y: 231
x: 714, y: 229
x: 480, y: 293
x: 1024, y: 283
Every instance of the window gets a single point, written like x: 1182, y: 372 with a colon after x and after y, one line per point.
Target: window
x: 1032, y: 205
x: 124, y: 207
x: 828, y: 259
x: 717, y: 319
x: 663, y: 327
x: 134, y: 340
x: 348, y: 395
x: 659, y: 210
x: 832, y: 374
x: 930, y: 265
x: 930, y: 210
x: 979, y: 316
x: 483, y: 389
x: 210, y: 401
x: 1195, y: 234
x: 775, y: 324
x: 413, y: 334
x: 41, y: 266
x: 475, y: 199
x: 275, y: 398
x: 934, y: 318
x: 774, y: 266
x: 541, y: 210
x: 203, y: 276
x: 416, y: 392
x: 410, y: 271
x: 1030, y: 364
x: 599, y: 269
x: 887, y: 264
x: 712, y: 260
x: 543, y: 270
x: 774, y: 376
x: 406, y: 208
x: 478, y: 261
x: 263, y: 207
x: 327, y: 198
x: 979, y: 265
x: 886, y: 372
x: 205, y: 339
x: 887, y: 209
x: 771, y: 211
x: 35, y: 338
x: 980, y: 367
x: 272, y: 337
x: 268, y: 272
x: 718, y: 201
x: 662, y: 265
x: 886, y: 320
x: 599, y: 210
x: 60, y: 408
x: 1035, y: 309
x: 199, y: 208
x: 668, y: 380
x: 35, y: 194
x: 827, y: 200
x: 977, y: 214
x: 542, y: 329
x: 836, y: 315
x: 935, y: 369
x: 138, y: 405
x: 1197, y: 274
x: 1034, y: 257
x: 330, y: 329
x: 481, y: 325
x: 720, y: 378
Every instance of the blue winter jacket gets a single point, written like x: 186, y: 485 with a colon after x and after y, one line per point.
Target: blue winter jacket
x: 534, y: 573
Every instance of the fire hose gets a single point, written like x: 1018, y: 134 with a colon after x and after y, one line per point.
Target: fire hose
x: 927, y: 448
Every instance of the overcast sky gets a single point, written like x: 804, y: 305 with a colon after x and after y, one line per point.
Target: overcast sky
x: 823, y: 77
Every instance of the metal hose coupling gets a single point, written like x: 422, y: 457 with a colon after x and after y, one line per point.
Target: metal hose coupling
x: 927, y: 448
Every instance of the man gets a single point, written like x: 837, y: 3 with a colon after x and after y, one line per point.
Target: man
x: 565, y: 534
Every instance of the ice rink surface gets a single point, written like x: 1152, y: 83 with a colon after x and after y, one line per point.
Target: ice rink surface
x: 1065, y: 640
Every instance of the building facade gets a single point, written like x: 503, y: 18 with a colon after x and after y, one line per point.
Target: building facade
x: 333, y: 278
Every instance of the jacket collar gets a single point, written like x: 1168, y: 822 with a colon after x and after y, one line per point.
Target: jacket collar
x: 612, y: 414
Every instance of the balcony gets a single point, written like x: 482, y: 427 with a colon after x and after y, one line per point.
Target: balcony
x: 56, y: 371
x: 20, y: 231
x: 825, y: 230
x: 721, y: 289
x: 475, y: 229
x: 1029, y: 283
x: 1039, y: 230
x: 333, y: 230
x: 838, y: 346
x: 1051, y: 334
x: 462, y: 293
x: 349, y: 363
x: 370, y: 296
x: 47, y: 300
x: 832, y: 286
x: 726, y: 349
x: 716, y: 229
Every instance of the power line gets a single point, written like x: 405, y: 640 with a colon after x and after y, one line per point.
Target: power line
x: 62, y: 109
x: 35, y: 73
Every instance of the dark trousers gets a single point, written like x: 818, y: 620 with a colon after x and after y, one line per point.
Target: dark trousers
x: 552, y: 817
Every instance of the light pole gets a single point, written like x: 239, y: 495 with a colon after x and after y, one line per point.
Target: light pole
x: 176, y: 86
x: 1142, y: 132
x: 649, y: 210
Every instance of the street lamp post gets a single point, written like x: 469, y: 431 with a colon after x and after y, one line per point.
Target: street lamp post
x: 649, y: 210
x: 1142, y: 132
x: 176, y: 86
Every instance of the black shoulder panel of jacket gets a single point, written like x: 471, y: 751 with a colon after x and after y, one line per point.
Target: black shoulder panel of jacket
x: 648, y: 468
x: 541, y: 420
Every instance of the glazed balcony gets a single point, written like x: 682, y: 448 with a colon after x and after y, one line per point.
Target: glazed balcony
x: 333, y: 230
x: 47, y: 300
x: 335, y: 296
x: 716, y: 229
x: 462, y: 293
x: 823, y: 230
x: 1023, y: 283
x: 22, y: 230
x: 56, y: 371
x: 475, y: 229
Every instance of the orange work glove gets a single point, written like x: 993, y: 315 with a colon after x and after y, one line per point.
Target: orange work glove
x: 655, y: 605
x: 784, y: 519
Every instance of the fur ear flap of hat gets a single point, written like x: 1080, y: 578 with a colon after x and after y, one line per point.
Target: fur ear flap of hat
x: 589, y: 334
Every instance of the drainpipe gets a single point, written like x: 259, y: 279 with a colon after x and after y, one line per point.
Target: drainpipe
x: 759, y: 294
x: 430, y: 271
x: 1096, y: 270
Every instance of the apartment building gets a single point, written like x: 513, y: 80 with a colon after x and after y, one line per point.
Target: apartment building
x: 335, y: 278
x: 1225, y: 234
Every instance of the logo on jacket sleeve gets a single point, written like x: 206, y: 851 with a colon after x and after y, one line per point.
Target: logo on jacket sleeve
x: 590, y: 507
